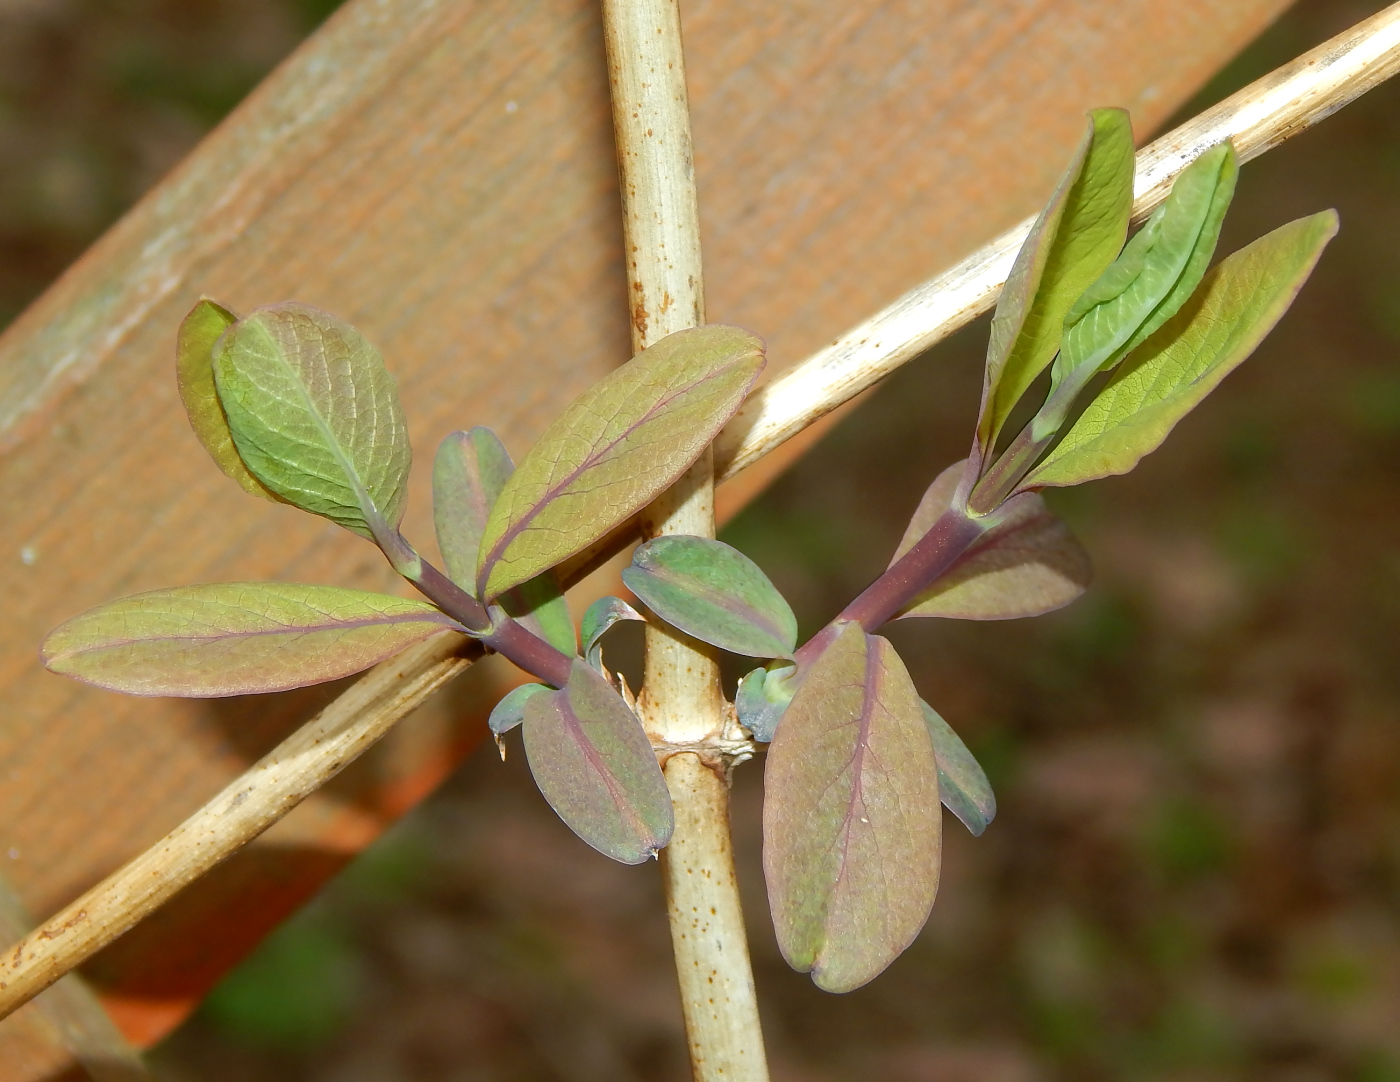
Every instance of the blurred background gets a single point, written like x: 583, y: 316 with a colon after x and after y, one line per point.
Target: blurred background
x: 1195, y: 872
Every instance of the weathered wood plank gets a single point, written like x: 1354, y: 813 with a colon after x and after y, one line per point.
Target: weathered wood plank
x: 441, y: 173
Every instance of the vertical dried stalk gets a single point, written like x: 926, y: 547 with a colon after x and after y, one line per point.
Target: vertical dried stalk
x: 681, y: 700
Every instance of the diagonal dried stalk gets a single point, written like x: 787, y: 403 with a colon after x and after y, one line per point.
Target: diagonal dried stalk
x: 680, y: 700
x: 1264, y: 114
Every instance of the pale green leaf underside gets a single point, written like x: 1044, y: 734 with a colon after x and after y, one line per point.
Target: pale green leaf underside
x: 615, y: 449
x: 1077, y: 236
x: 194, y: 376
x: 1027, y: 565
x: 510, y: 711
x: 1157, y: 272
x: 1237, y: 304
x: 236, y: 638
x: 962, y: 783
x: 595, y: 766
x: 714, y: 593
x: 541, y: 607
x: 315, y: 415
x: 851, y: 823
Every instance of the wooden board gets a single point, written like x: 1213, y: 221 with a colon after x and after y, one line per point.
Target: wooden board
x: 440, y: 172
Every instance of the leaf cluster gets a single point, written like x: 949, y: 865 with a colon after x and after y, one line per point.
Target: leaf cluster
x: 296, y: 407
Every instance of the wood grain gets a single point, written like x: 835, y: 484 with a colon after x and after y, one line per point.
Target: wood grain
x: 442, y: 174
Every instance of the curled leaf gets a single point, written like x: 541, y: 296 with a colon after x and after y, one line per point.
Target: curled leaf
x: 962, y: 783
x: 601, y: 615
x: 1076, y: 237
x: 1237, y: 304
x: 851, y: 824
x: 620, y: 444
x: 1026, y: 565
x: 194, y: 376
x: 1156, y: 273
x: 595, y: 766
x: 236, y: 638
x: 714, y: 593
x: 762, y: 697
x: 510, y: 711
x: 315, y: 415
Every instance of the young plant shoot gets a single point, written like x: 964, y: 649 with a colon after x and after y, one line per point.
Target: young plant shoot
x: 296, y: 407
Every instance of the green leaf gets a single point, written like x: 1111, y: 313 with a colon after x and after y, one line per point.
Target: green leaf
x: 1156, y: 274
x: 469, y: 471
x: 615, y: 449
x: 714, y: 593
x: 851, y: 824
x: 236, y: 638
x: 763, y: 696
x: 962, y: 783
x: 315, y: 415
x: 601, y: 615
x: 595, y: 766
x: 1237, y: 305
x: 194, y: 375
x: 1073, y: 241
x: 1026, y: 565
x: 510, y: 711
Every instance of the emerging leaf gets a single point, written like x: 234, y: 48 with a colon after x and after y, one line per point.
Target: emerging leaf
x: 194, y: 375
x: 236, y: 638
x: 315, y: 415
x: 1026, y: 565
x: 595, y: 766
x: 851, y: 824
x: 962, y: 783
x: 469, y: 471
x: 763, y: 696
x: 1158, y: 270
x: 714, y: 593
x: 615, y: 449
x: 510, y: 711
x: 601, y: 615
x: 1237, y: 305
x: 1076, y: 237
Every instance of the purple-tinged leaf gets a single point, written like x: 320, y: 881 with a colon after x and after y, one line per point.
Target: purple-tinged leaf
x: 762, y: 697
x: 601, y: 615
x: 510, y: 711
x: 594, y: 764
x: 713, y: 593
x: 315, y: 416
x: 194, y: 375
x: 962, y: 783
x: 1026, y: 565
x: 620, y: 444
x: 469, y: 471
x: 851, y: 824
x: 236, y: 638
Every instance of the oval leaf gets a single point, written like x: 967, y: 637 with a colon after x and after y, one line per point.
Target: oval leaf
x: 621, y: 444
x: 510, y: 711
x: 1026, y: 565
x: 315, y: 415
x: 1073, y: 241
x: 714, y: 593
x: 1167, y: 376
x: 601, y: 615
x: 962, y: 783
x: 236, y: 638
x: 595, y: 766
x: 851, y: 823
x: 194, y: 375
x: 1158, y: 271
x: 469, y: 471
